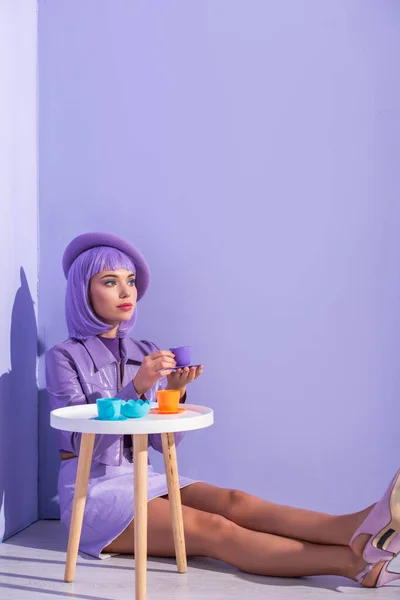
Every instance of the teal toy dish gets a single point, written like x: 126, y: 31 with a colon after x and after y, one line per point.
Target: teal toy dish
x: 134, y: 409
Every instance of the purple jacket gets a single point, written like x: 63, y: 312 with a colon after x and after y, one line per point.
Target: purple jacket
x: 80, y: 371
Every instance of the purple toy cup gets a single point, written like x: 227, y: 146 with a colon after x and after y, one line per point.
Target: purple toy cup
x: 183, y: 355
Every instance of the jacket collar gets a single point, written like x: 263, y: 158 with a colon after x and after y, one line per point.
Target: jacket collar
x: 130, y: 350
x: 102, y: 356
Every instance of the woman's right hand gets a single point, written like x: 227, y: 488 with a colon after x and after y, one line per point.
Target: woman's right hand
x: 154, y: 367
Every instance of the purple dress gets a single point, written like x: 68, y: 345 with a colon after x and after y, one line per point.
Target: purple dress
x: 110, y: 496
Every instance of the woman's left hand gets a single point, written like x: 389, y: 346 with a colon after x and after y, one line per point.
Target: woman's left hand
x: 179, y: 379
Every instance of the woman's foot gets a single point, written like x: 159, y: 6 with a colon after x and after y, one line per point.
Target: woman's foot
x: 377, y: 538
x: 377, y: 575
x: 369, y: 576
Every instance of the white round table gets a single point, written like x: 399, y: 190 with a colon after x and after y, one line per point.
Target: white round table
x: 80, y: 419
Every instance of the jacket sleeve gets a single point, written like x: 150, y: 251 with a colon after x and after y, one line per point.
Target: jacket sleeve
x: 64, y: 389
x: 155, y: 438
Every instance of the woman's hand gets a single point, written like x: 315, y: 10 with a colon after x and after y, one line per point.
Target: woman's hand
x: 179, y: 379
x: 154, y: 366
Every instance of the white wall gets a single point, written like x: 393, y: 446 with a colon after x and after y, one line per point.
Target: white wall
x: 19, y: 265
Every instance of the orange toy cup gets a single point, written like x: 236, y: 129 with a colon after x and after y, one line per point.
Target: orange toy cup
x: 168, y: 400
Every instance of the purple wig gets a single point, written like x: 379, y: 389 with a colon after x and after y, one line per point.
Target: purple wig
x: 82, y: 321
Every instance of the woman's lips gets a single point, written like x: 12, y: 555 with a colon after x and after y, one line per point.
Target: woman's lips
x: 125, y: 307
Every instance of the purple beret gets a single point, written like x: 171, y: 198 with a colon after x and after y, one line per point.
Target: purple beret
x: 85, y: 241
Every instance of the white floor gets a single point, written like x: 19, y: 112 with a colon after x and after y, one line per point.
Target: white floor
x: 32, y: 567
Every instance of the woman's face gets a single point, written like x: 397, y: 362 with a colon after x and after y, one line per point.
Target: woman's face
x: 113, y: 295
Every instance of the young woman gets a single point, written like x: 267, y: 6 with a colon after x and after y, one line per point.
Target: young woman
x: 106, y: 277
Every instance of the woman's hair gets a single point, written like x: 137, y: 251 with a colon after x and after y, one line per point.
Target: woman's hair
x: 82, y: 321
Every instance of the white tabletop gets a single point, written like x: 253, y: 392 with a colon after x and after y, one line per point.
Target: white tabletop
x: 80, y: 419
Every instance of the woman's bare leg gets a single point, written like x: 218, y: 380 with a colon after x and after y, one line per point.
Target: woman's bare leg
x: 215, y: 536
x: 260, y: 515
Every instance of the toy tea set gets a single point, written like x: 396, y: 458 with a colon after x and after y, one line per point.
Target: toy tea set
x: 115, y: 409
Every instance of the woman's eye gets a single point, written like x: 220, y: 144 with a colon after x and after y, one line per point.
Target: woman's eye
x: 131, y: 281
x: 110, y: 283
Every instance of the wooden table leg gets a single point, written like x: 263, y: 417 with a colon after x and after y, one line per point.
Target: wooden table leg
x: 174, y: 495
x: 140, y: 450
x: 78, y: 507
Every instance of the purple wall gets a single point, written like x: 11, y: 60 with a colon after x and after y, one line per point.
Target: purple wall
x: 251, y: 151
x: 19, y: 267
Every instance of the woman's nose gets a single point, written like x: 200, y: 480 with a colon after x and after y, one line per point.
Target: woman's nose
x: 125, y: 292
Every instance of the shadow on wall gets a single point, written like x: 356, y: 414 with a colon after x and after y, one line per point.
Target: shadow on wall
x: 18, y: 420
x: 49, y: 457
x: 49, y: 462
